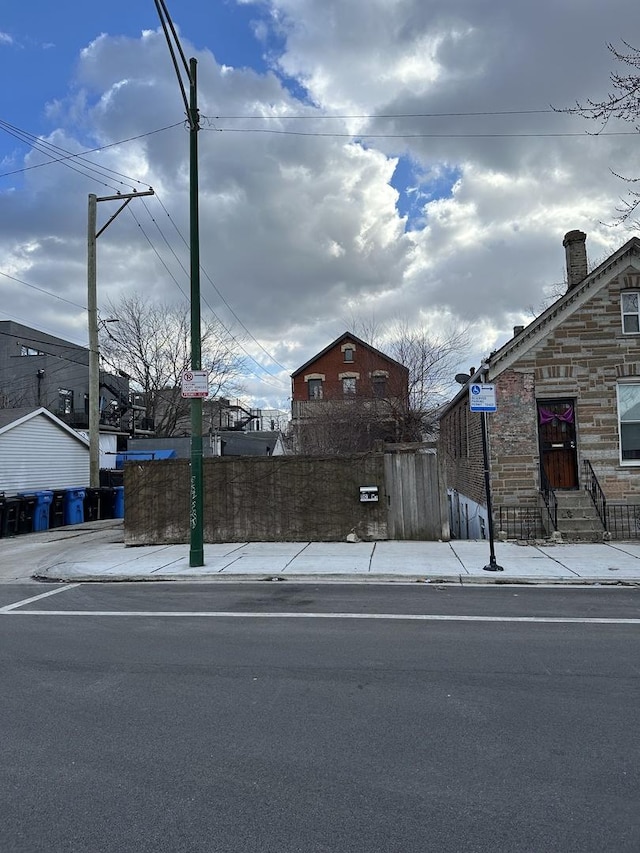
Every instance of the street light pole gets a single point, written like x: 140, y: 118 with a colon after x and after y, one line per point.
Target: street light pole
x: 92, y: 312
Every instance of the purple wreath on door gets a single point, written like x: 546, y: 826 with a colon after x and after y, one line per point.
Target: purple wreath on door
x: 547, y: 416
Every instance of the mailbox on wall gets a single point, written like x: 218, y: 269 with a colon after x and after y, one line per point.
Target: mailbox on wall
x: 368, y: 494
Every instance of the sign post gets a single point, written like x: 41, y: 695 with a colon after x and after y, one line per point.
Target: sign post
x: 482, y: 399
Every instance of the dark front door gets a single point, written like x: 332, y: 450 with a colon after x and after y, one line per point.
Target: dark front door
x: 557, y: 435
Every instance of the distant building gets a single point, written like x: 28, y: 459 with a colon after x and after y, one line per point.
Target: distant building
x: 347, y: 397
x: 41, y: 370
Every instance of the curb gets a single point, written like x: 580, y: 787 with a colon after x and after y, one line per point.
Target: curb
x: 270, y: 577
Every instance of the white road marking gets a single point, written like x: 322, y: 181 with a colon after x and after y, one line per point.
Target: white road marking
x: 410, y: 617
x: 10, y: 607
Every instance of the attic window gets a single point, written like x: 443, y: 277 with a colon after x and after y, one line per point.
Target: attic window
x: 348, y: 351
x: 630, y: 314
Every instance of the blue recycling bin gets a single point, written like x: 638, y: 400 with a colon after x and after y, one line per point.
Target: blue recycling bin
x: 74, y: 506
x: 41, y: 510
x: 118, y: 502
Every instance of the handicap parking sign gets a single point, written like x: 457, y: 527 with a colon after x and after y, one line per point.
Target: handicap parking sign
x: 482, y: 398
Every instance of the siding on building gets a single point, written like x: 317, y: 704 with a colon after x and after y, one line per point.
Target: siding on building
x: 37, y: 453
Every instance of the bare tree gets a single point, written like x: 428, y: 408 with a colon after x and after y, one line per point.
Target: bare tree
x: 431, y: 358
x: 622, y: 103
x: 151, y: 343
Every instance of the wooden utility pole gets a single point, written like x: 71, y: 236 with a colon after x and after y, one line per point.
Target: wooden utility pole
x: 92, y: 310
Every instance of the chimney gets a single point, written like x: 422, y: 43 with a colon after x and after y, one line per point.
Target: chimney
x: 517, y: 330
x: 576, y: 254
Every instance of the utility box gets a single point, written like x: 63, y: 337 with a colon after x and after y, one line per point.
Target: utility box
x: 368, y: 494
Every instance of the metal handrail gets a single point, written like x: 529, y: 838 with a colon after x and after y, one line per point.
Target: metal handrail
x: 550, y: 499
x: 593, y: 487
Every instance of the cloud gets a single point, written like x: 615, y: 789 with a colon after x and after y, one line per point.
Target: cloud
x: 301, y: 223
x: 5, y: 38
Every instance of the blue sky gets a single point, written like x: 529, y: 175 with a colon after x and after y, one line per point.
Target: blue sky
x: 378, y: 159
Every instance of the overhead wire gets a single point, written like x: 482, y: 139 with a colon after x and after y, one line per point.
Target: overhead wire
x: 216, y: 289
x: 43, y: 290
x: 71, y: 156
x: 238, y: 343
x: 47, y: 148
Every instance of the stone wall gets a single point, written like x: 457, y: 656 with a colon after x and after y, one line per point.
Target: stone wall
x: 276, y: 499
x: 254, y: 499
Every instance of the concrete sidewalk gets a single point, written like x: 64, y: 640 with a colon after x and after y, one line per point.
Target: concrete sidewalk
x: 95, y: 552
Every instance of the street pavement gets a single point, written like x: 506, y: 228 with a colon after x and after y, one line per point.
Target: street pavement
x: 96, y: 552
x: 329, y: 718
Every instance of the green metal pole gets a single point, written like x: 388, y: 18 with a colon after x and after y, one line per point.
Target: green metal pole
x: 196, y: 552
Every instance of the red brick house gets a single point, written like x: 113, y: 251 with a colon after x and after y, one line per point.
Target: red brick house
x: 346, y: 397
x: 564, y: 444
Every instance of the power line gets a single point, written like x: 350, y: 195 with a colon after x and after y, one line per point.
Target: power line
x: 213, y: 285
x: 70, y: 155
x: 42, y: 290
x: 395, y: 115
x: 46, y: 149
x: 228, y: 331
x: 416, y: 135
x: 39, y: 144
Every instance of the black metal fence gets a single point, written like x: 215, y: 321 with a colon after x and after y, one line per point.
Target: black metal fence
x: 592, y: 486
x: 623, y: 521
x: 522, y: 522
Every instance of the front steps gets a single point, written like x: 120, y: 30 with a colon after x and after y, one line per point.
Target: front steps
x: 578, y: 520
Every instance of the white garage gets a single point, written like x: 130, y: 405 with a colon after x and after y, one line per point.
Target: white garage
x: 39, y: 451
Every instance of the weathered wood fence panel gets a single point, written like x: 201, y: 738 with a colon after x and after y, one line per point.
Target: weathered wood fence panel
x: 417, y: 508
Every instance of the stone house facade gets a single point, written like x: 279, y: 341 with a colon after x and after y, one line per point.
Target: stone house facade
x: 567, y: 425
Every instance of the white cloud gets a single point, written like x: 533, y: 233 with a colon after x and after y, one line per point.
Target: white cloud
x: 300, y: 231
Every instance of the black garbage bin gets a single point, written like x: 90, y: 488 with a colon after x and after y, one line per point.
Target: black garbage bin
x: 107, y: 501
x: 26, y: 513
x: 10, y: 516
x: 111, y: 477
x: 92, y: 504
x: 56, y: 510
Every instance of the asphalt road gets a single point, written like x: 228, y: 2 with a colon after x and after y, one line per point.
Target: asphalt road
x: 318, y: 718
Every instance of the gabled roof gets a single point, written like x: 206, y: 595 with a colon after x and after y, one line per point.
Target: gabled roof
x: 549, y: 320
x: 563, y: 307
x: 10, y: 418
x: 348, y: 336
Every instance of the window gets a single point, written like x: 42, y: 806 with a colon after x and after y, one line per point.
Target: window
x: 348, y: 354
x: 629, y: 420
x: 25, y: 350
x: 315, y: 389
x: 65, y: 401
x: 630, y: 313
x: 379, y: 387
x: 349, y: 386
